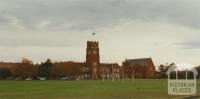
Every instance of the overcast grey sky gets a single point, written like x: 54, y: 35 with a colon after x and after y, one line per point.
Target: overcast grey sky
x: 166, y: 30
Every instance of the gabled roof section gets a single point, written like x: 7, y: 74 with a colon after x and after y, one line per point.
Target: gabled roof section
x: 141, y: 61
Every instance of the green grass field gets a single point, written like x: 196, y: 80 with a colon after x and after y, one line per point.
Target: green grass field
x: 84, y: 89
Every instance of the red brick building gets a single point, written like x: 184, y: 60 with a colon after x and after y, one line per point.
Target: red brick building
x: 91, y: 69
x: 139, y: 68
x: 110, y: 70
x: 94, y: 69
x: 97, y: 69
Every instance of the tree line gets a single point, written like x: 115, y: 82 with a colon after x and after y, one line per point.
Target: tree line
x: 162, y: 69
x: 26, y: 70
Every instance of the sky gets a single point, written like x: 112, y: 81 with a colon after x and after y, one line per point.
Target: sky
x: 165, y: 30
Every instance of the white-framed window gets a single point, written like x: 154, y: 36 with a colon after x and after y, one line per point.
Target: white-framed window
x: 94, y: 52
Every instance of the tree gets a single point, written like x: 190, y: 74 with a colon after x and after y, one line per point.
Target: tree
x: 25, y: 60
x: 198, y: 70
x: 59, y: 70
x: 162, y: 69
x: 66, y: 69
x: 4, y: 73
x: 45, y: 69
x: 26, y: 69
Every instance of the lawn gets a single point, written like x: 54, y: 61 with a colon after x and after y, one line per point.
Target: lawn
x: 84, y: 89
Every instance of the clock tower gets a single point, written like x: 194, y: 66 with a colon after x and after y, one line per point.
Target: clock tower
x: 92, y: 58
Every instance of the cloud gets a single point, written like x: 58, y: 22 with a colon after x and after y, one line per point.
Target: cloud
x: 88, y: 14
x: 41, y: 39
x: 189, y: 44
x: 125, y: 28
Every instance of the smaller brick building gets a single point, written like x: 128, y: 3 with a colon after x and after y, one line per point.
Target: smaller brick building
x: 139, y: 68
x: 109, y: 70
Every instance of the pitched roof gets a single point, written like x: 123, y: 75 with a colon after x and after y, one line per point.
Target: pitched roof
x: 141, y: 61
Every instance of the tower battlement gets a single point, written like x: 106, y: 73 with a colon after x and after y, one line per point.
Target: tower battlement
x: 92, y: 44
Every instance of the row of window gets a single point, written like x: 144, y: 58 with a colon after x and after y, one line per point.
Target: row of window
x: 101, y: 70
x: 110, y: 76
x: 108, y: 70
x: 85, y: 69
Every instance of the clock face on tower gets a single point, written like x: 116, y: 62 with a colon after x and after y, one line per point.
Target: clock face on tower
x: 95, y: 52
x: 89, y: 52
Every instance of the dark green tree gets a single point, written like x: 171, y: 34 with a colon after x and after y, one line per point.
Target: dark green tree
x: 4, y: 73
x: 162, y: 69
x: 198, y: 70
x: 25, y: 69
x: 45, y: 69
